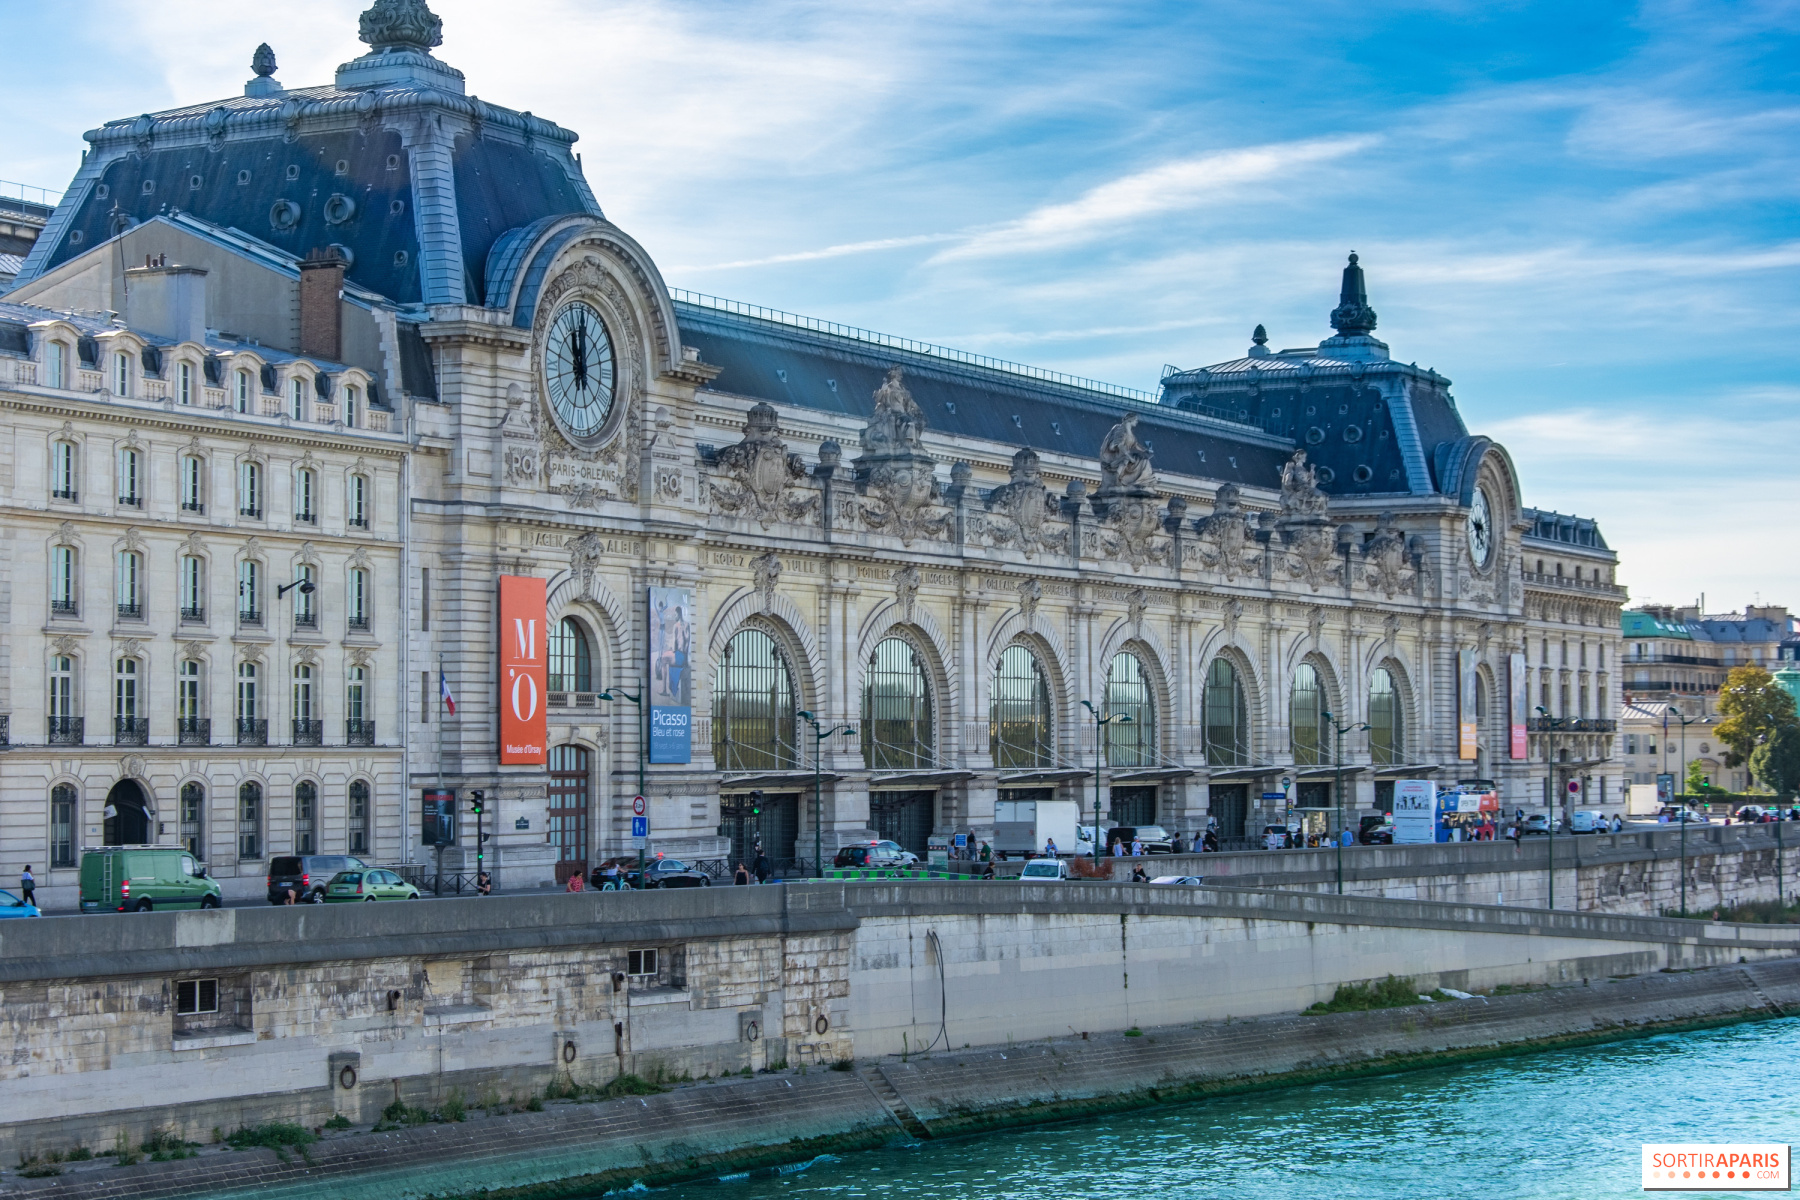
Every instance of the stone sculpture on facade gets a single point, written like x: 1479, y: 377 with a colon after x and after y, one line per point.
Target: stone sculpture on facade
x: 1019, y: 512
x: 1127, y: 504
x: 765, y: 577
x: 896, y: 477
x: 1228, y: 538
x: 906, y: 590
x: 401, y: 24
x: 1386, y: 559
x: 1306, y: 531
x: 760, y: 478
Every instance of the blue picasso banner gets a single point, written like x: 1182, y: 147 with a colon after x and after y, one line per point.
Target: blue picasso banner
x: 671, y: 675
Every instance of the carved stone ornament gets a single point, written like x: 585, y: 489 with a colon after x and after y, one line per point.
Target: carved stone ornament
x: 1019, y: 512
x: 1315, y: 625
x: 1130, y: 531
x: 65, y: 644
x: 1136, y: 605
x: 65, y: 532
x: 1300, y: 494
x: 401, y: 25
x: 1030, y: 593
x: 896, y: 479
x: 253, y: 548
x: 360, y: 558
x: 251, y: 653
x: 132, y: 767
x: 906, y: 590
x: 584, y: 561
x: 1125, y: 467
x: 1228, y: 538
x: 1127, y: 505
x: 130, y: 648
x: 1384, y: 556
x: 193, y: 650
x: 766, y: 576
x: 1390, y: 632
x: 758, y: 477
x: 1312, y: 554
x: 195, y: 545
x: 359, y: 657
x: 307, y: 655
x: 1234, y: 612
x: 133, y: 540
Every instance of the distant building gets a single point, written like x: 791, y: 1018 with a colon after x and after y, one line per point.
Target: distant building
x: 1682, y: 656
x: 21, y: 221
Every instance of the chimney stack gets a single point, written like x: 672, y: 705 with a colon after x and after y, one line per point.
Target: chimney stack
x: 166, y: 301
x: 321, y: 318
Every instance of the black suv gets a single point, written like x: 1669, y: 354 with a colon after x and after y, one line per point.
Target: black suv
x: 874, y: 854
x: 306, y: 875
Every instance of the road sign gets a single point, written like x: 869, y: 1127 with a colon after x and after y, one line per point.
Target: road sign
x: 637, y: 805
x: 1274, y: 795
x: 640, y: 830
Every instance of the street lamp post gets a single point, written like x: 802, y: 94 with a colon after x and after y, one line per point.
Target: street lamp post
x: 1339, y: 760
x: 1110, y: 719
x: 1550, y: 797
x: 1681, y: 808
x: 818, y: 783
x: 643, y: 750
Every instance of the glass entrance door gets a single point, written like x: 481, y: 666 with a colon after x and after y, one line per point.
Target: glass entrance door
x: 904, y: 817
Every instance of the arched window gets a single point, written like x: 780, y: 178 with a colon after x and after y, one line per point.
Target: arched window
x: 753, y: 706
x: 357, y: 817
x: 571, y: 662
x: 189, y: 731
x: 62, y: 825
x: 1020, y: 730
x: 250, y: 804
x: 1133, y: 743
x: 1227, y: 729
x: 306, y: 815
x: 193, y: 814
x: 1306, y: 717
x: 898, y: 733
x: 1387, y: 730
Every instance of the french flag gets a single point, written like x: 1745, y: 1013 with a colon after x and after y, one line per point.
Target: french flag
x: 444, y: 694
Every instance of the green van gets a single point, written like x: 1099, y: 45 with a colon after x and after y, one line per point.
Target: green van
x: 143, y: 878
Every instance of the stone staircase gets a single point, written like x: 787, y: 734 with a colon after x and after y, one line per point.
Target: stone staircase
x: 891, y: 1100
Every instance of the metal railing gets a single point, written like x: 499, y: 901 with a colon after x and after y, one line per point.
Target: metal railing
x: 307, y: 518
x: 358, y: 624
x: 65, y: 731
x: 131, y: 731
x: 252, y: 731
x: 359, y: 733
x: 69, y: 494
x: 193, y: 731
x: 1571, y: 725
x: 309, y: 733
x: 249, y: 616
x: 306, y: 620
x: 5, y: 730
x: 193, y: 506
x: 253, y: 513
x: 193, y: 615
x: 64, y: 608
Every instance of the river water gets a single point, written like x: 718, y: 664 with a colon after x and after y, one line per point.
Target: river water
x: 1566, y: 1124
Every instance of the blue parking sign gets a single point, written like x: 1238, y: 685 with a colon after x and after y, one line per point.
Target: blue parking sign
x: 640, y: 827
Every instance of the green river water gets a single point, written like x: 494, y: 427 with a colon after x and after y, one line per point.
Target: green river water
x: 1563, y: 1124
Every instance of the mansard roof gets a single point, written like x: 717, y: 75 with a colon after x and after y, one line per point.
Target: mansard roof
x: 1547, y: 526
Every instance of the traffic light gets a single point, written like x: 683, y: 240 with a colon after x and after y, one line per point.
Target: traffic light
x: 476, y: 799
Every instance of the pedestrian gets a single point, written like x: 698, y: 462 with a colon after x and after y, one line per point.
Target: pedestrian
x: 1513, y: 833
x: 987, y: 855
x: 1050, y: 847
x: 1175, y: 844
x: 576, y: 883
x: 762, y: 868
x: 1210, y: 844
x: 1137, y: 874
x: 1618, y: 823
x: 28, y: 886
x: 987, y: 871
x: 742, y: 877
x: 1137, y: 848
x: 484, y: 883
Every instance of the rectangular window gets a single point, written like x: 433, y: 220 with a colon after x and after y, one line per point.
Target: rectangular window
x: 250, y: 498
x: 129, y: 465
x: 303, y: 693
x: 425, y: 600
x: 352, y: 402
x: 194, y: 997
x: 357, y: 502
x: 193, y: 588
x: 1649, y: 744
x: 359, y: 598
x: 640, y: 963
x: 130, y: 583
x: 62, y: 688
x: 249, y: 592
x: 193, y: 807
x: 297, y: 399
x: 246, y: 692
x: 62, y: 826
x: 305, y: 487
x: 355, y: 693
x: 184, y: 382
x: 425, y: 697
x: 358, y: 818
x: 306, y: 611
x: 1631, y: 743
x: 187, y: 691
x: 56, y: 365
x: 125, y: 680
x: 249, y: 822
x: 62, y: 472
x: 240, y: 395
x: 62, y: 581
x: 121, y: 374
x: 193, y: 483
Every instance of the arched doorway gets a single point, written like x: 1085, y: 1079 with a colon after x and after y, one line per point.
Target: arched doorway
x: 569, y: 766
x: 127, y: 815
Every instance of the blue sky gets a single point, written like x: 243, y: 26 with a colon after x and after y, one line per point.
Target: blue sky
x: 1583, y: 213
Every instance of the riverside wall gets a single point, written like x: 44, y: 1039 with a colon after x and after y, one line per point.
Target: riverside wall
x: 340, y: 1011
x: 1633, y: 873
x: 713, y: 1128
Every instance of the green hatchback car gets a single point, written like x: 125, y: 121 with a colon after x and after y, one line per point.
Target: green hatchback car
x: 371, y: 883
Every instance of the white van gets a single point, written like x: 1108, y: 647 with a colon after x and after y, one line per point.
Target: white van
x: 1040, y: 870
x: 1588, y: 820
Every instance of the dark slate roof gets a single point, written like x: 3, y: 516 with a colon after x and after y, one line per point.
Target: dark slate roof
x: 788, y: 364
x: 1570, y: 531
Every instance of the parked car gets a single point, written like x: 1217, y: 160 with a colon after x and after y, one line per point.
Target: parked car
x: 366, y: 884
x: 12, y: 906
x: 668, y: 873
x: 1041, y: 870
x: 142, y: 878
x: 1678, y: 815
x: 1750, y: 814
x: 874, y: 854
x: 1156, y: 839
x: 1180, y: 880
x: 1377, y: 830
x: 1276, y: 837
x: 306, y: 875
x: 1537, y: 823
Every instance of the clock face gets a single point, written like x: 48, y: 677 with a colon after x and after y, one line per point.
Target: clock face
x: 578, y: 371
x: 1481, y: 529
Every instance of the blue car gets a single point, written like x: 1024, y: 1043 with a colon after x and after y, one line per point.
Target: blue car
x: 12, y: 906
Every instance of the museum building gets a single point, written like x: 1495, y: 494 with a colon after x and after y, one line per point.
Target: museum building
x: 293, y: 379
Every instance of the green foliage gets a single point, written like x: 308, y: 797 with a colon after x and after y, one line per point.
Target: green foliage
x: 165, y: 1143
x: 1753, y: 706
x: 1756, y: 912
x: 1697, y: 783
x: 453, y: 1108
x: 123, y: 1151
x: 1134, y: 1031
x: 843, y: 1064
x: 1362, y: 997
x: 340, y: 1121
x: 1776, y: 760
x: 626, y: 1085
x: 1515, y: 989
x: 535, y: 1104
x: 399, y: 1114
x: 79, y: 1154
x: 39, y: 1170
x: 276, y: 1136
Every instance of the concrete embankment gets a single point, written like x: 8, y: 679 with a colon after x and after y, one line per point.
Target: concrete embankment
x: 708, y: 1129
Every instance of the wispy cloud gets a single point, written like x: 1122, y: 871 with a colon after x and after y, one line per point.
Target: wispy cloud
x: 839, y: 251
x: 1173, y: 186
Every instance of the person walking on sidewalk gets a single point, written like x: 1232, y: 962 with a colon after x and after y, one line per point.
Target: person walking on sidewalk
x: 28, y: 886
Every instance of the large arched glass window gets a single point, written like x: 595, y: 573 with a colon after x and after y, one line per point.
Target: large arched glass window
x: 1133, y: 743
x: 1306, y: 717
x: 753, y: 706
x: 1227, y: 730
x: 1020, y: 735
x: 571, y: 662
x: 897, y: 728
x: 1387, y: 731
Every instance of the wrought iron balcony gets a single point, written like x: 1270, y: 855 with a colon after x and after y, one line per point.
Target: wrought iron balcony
x: 253, y: 513
x: 359, y: 624
x: 69, y: 494
x: 306, y: 620
x: 1572, y: 725
x: 65, y: 731
x: 193, y: 615
x: 64, y: 608
x: 249, y: 616
x: 133, y: 611
x: 131, y: 731
x: 309, y: 733
x: 193, y: 731
x: 358, y: 522
x: 131, y: 501
x: 359, y: 733
x: 307, y: 518
x: 253, y: 731
x: 193, y: 506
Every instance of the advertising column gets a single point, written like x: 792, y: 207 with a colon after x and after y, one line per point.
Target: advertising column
x: 524, y: 669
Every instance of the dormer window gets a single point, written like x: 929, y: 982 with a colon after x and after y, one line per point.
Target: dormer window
x: 121, y: 373
x: 352, y: 401
x: 297, y: 398
x: 56, y: 365
x: 184, y: 383
x: 240, y: 393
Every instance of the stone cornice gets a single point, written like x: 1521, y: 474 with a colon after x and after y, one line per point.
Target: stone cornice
x: 223, y: 423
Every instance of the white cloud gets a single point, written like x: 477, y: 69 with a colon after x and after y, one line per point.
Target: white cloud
x: 870, y: 247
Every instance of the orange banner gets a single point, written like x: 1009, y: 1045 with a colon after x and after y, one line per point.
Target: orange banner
x: 524, y: 667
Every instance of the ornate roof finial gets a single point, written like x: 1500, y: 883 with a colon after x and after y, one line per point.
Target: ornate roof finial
x: 1260, y: 336
x: 1353, y: 315
x: 263, y: 61
x: 401, y: 25
x: 1259, y: 344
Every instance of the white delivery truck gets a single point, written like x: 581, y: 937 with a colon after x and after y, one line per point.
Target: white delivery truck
x: 1023, y: 826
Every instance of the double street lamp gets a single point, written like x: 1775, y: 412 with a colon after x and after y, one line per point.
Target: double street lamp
x: 1339, y: 759
x: 1099, y: 750
x: 819, y: 737
x: 643, y: 749
x: 1681, y: 807
x: 1550, y: 723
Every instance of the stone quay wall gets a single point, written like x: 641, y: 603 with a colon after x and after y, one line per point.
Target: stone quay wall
x: 343, y: 1010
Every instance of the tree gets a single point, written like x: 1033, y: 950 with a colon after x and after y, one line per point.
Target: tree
x: 1753, y: 706
x: 1777, y: 761
x: 1697, y: 782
